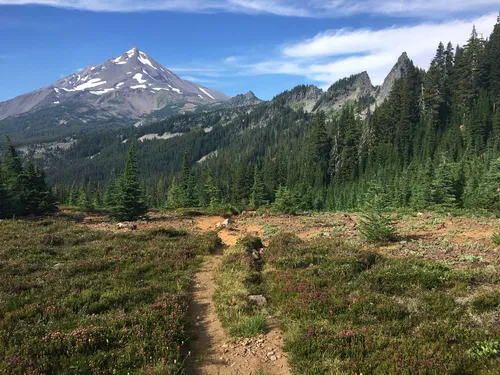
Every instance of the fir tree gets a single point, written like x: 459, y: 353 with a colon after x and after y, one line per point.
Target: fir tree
x: 443, y: 187
x: 84, y: 202
x: 111, y: 192
x: 258, y: 189
x: 35, y: 196
x: 211, y: 191
x: 130, y: 203
x: 5, y: 200
x: 174, y: 198
x: 187, y: 185
x: 284, y: 202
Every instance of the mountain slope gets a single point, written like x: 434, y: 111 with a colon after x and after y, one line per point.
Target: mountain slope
x: 122, y: 88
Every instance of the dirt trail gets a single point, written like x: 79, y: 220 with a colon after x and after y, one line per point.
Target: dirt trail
x: 214, y: 352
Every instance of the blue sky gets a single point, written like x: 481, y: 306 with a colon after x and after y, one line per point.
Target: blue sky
x: 234, y: 46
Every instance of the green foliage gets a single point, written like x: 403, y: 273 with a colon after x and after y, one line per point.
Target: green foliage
x: 257, y: 197
x: 487, y: 349
x: 345, y: 310
x: 130, y: 203
x: 495, y: 237
x: 249, y: 326
x: 285, y: 202
x: 104, y: 302
x: 187, y: 185
x: 487, y: 301
x: 23, y: 190
x: 377, y: 227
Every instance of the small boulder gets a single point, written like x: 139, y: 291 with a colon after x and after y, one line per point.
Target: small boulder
x: 225, y: 224
x: 259, y: 300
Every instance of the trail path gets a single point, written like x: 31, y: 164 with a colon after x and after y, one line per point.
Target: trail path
x: 214, y: 352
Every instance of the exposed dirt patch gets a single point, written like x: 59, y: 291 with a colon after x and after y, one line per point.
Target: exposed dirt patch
x: 214, y: 352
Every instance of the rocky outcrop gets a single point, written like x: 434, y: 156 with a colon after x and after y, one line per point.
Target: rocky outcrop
x: 242, y: 100
x: 302, y: 96
x: 355, y: 87
x: 399, y: 71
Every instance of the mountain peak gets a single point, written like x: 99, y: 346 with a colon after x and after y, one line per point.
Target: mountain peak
x: 399, y: 70
x: 129, y: 85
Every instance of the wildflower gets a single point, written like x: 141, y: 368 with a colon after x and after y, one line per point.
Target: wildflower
x: 178, y: 348
x: 331, y: 312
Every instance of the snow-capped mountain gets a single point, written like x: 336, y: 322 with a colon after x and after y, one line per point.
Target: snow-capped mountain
x: 130, y: 85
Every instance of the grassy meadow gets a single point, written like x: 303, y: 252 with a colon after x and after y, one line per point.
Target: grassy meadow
x: 345, y: 310
x: 74, y: 300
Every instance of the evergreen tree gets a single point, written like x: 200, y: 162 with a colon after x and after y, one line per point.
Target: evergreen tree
x: 187, y: 185
x: 174, y: 197
x: 258, y: 189
x: 35, y: 196
x: 211, y: 191
x: 5, y: 200
x: 375, y: 225
x: 488, y: 193
x: 12, y: 168
x: 443, y: 187
x: 130, y: 202
x: 284, y: 202
x: 84, y: 202
x: 111, y: 192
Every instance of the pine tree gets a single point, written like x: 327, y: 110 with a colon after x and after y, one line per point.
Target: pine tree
x: 187, y: 185
x: 284, y: 202
x: 443, y: 187
x: 211, y: 191
x: 84, y: 202
x: 488, y: 194
x: 375, y: 225
x: 35, y: 196
x: 72, y: 197
x: 12, y: 168
x: 258, y: 189
x: 111, y: 192
x: 174, y: 196
x: 5, y: 200
x: 130, y: 202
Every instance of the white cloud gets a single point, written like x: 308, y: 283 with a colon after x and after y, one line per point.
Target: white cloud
x: 295, y: 8
x: 335, y: 54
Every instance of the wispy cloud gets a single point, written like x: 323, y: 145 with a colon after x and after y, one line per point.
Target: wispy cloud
x: 292, y: 8
x: 335, y: 54
x: 198, y: 79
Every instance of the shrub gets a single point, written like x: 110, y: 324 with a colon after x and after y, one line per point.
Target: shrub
x: 487, y: 301
x: 495, y: 237
x: 377, y: 227
x: 487, y: 349
x: 284, y: 203
x: 249, y: 326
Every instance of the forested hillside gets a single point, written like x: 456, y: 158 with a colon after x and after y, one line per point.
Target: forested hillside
x: 434, y: 142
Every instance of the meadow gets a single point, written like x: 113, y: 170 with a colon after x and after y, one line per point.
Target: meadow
x: 348, y: 310
x: 76, y: 300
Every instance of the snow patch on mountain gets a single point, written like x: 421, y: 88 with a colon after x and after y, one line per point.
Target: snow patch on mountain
x: 206, y: 93
x: 101, y: 92
x: 149, y: 137
x: 138, y: 78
